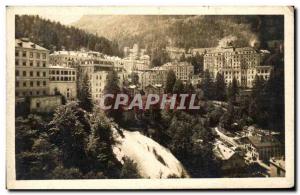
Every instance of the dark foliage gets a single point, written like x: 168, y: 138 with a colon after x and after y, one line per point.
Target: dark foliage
x: 55, y: 36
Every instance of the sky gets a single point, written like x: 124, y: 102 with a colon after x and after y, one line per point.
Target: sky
x: 64, y: 19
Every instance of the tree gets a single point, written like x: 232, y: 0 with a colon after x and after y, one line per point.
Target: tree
x: 259, y: 103
x: 134, y: 78
x: 112, y: 87
x: 233, y: 91
x: 68, y: 133
x: 220, y: 88
x: 85, y: 96
x: 170, y: 82
x: 189, y: 88
x: 208, y: 86
x: 274, y: 91
x: 178, y: 87
x: 228, y: 117
x: 129, y: 170
x: 182, y: 58
x: 197, y: 62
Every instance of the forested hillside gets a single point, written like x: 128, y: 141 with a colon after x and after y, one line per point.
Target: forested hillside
x: 183, y: 31
x: 55, y: 36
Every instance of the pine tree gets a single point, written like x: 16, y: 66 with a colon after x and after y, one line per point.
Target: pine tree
x: 220, y: 88
x: 85, y: 96
x: 182, y: 58
x: 170, y: 82
x: 233, y: 91
x: 178, y: 87
x: 208, y: 86
x: 112, y: 87
x: 129, y: 170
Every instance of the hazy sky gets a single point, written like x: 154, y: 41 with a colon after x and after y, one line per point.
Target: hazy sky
x: 62, y: 18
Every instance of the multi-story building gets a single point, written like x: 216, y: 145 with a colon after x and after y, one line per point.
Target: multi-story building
x: 97, y: 71
x: 135, y: 59
x: 265, y: 147
x: 32, y: 74
x: 183, y: 70
x: 239, y: 63
x: 154, y: 76
x: 175, y: 53
x: 63, y: 81
x: 158, y: 75
x: 72, y: 58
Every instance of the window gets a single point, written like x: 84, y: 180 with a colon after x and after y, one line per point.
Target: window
x: 31, y: 83
x: 38, y: 83
x: 17, y: 53
x: 57, y: 72
x: 24, y: 73
x: 44, y: 92
x: 17, y: 83
x: 37, y: 73
x: 44, y: 56
x: 24, y: 54
x: 38, y: 104
x: 31, y: 63
x: 31, y: 73
x: 44, y: 64
x: 24, y: 84
x: 44, y: 74
x: 17, y: 73
x: 44, y: 83
x: 31, y: 55
x: 37, y: 93
x: 30, y: 92
x: 37, y: 64
x: 24, y: 63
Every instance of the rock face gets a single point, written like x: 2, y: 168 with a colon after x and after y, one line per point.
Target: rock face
x: 153, y: 160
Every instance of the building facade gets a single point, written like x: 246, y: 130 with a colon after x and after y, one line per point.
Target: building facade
x: 243, y: 64
x: 97, y: 71
x: 183, y: 70
x: 32, y: 73
x: 63, y: 81
x: 265, y: 147
x: 154, y: 76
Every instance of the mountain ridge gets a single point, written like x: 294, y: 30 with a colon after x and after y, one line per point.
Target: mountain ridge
x: 182, y: 30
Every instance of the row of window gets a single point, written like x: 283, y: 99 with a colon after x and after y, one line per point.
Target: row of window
x: 65, y: 72
x: 31, y: 73
x: 30, y: 93
x: 30, y: 63
x: 25, y: 54
x: 31, y: 83
x: 66, y: 78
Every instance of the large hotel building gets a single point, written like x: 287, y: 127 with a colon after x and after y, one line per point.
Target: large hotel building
x: 243, y: 64
x: 184, y: 71
x: 32, y: 75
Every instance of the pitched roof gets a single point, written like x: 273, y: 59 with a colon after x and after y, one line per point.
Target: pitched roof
x: 25, y: 43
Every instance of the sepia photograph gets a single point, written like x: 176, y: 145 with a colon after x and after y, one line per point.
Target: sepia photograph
x: 150, y: 98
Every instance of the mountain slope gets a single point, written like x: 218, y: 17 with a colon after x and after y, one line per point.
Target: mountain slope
x: 55, y: 36
x: 182, y: 31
